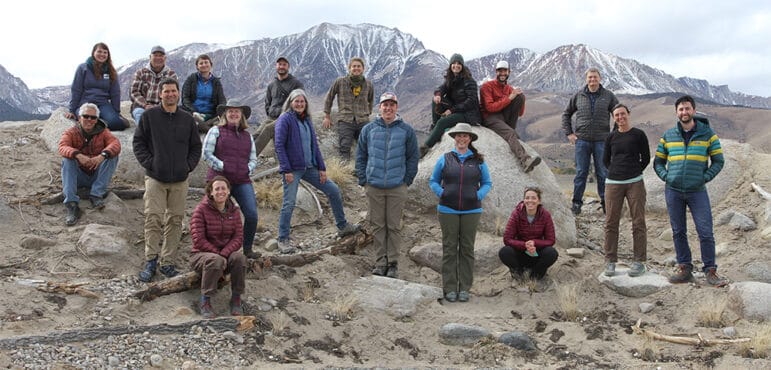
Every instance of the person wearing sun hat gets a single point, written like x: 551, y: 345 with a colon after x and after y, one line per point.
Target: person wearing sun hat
x: 460, y: 180
x: 228, y: 150
x: 386, y: 164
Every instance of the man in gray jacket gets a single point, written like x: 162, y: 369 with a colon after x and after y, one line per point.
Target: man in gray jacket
x: 593, y: 106
x: 386, y: 163
x: 275, y: 96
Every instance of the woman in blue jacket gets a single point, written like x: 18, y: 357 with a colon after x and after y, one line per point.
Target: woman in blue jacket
x: 461, y: 180
x: 96, y: 81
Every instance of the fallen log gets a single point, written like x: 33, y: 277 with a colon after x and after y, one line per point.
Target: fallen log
x: 240, y: 323
x: 700, y: 341
x: 51, y: 287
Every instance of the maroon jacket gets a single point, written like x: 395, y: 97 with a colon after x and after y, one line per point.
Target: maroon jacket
x: 519, y: 230
x: 214, y: 231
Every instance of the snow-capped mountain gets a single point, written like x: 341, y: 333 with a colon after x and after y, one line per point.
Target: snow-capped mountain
x: 17, y: 102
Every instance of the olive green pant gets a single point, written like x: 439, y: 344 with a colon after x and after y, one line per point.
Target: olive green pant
x: 458, y: 235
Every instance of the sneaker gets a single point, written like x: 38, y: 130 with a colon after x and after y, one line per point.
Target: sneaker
x: 637, y: 269
x: 348, y: 229
x: 602, y: 205
x: 235, y: 307
x: 576, y: 209
x: 252, y: 255
x: 147, y: 274
x: 451, y: 296
x: 97, y: 202
x: 610, y: 269
x: 684, y: 275
x: 380, y: 270
x: 286, y: 247
x: 530, y: 163
x: 73, y: 213
x: 393, y: 271
x: 463, y: 296
x: 714, y: 280
x: 169, y: 271
x: 206, y: 310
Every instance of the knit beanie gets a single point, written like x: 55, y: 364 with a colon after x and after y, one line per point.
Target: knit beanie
x: 457, y: 58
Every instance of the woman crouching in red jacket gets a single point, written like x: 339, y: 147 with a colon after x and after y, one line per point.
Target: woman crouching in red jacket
x: 217, y: 236
x: 529, y: 239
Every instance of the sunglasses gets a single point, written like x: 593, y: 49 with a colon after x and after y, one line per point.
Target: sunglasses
x: 88, y: 116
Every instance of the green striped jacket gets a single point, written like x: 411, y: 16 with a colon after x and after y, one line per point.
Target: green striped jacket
x: 687, y: 168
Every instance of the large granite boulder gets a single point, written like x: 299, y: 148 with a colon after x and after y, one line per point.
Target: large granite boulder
x: 398, y: 298
x: 509, y: 182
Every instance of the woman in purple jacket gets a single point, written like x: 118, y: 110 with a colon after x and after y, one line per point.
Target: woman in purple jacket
x: 96, y: 81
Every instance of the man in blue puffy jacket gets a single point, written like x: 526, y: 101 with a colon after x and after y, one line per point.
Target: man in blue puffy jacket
x: 386, y: 163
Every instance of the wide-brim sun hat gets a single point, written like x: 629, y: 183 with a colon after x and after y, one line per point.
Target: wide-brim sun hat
x: 233, y: 103
x: 463, y: 128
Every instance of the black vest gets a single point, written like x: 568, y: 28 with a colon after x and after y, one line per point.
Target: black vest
x: 461, y: 183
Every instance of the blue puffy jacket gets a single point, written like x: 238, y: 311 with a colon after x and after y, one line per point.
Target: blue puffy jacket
x: 387, y: 155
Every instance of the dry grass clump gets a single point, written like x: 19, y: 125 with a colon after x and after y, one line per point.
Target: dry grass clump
x: 279, y: 322
x: 760, y: 344
x: 308, y: 292
x: 711, y: 315
x: 648, y: 350
x: 500, y: 225
x: 567, y: 296
x: 529, y: 282
x: 342, y: 308
x: 341, y: 172
x: 269, y: 192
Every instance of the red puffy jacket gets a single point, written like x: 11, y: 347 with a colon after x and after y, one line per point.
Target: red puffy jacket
x: 214, y: 231
x: 519, y: 230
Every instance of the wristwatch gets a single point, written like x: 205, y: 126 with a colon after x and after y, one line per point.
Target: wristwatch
x: 106, y: 155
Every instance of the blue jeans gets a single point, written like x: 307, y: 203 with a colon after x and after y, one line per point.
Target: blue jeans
x: 137, y: 114
x: 73, y: 177
x: 244, y: 195
x: 584, y: 151
x: 329, y: 188
x: 701, y: 211
x: 108, y: 114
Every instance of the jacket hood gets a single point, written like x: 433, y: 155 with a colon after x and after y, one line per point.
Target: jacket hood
x: 98, y: 128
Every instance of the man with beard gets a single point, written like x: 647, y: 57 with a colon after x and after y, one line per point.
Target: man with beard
x: 502, y: 105
x: 275, y: 96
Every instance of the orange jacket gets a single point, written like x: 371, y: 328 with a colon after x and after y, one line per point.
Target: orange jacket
x: 75, y: 141
x: 494, y: 97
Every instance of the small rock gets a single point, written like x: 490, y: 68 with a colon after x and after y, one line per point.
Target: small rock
x: 36, y: 242
x: 671, y: 261
x: 724, y: 217
x: 760, y: 271
x: 264, y: 307
x: 666, y: 235
x: 233, y: 337
x: 189, y: 365
x: 156, y: 360
x: 729, y: 331
x: 461, y: 334
x: 271, y: 245
x: 113, y: 361
x: 518, y: 340
x: 722, y: 248
x: 576, y: 252
x: 646, y: 307
x: 742, y: 222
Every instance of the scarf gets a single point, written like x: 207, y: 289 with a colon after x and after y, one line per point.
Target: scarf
x: 91, y: 64
x: 356, y: 84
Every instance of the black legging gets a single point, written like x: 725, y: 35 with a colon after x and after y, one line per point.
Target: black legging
x: 517, y: 260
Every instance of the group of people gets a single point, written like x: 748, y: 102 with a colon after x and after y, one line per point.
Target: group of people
x: 167, y: 144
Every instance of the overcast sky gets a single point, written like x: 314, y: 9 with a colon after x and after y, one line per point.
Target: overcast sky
x: 724, y: 42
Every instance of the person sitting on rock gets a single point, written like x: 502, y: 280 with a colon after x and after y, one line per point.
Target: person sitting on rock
x: 529, y: 239
x: 217, y: 234
x: 90, y: 153
x: 202, y: 93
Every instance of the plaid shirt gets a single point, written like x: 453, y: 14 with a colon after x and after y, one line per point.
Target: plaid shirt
x: 146, y: 86
x: 349, y: 106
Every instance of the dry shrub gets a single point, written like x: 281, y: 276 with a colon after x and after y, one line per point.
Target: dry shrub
x: 567, y: 295
x: 760, y: 344
x: 279, y: 322
x: 711, y: 315
x: 648, y: 350
x: 269, y: 192
x: 529, y: 282
x: 308, y: 292
x: 342, y: 173
x: 342, y: 308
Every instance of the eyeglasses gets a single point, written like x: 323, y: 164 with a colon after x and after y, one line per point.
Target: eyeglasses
x: 88, y: 116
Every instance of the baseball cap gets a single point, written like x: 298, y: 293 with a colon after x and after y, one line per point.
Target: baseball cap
x: 388, y: 96
x: 158, y: 49
x: 282, y: 58
x: 502, y: 64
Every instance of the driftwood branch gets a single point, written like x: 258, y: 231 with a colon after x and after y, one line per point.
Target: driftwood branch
x: 223, y: 324
x: 762, y: 192
x: 50, y: 287
x: 265, y: 173
x: 315, y: 197
x: 699, y: 341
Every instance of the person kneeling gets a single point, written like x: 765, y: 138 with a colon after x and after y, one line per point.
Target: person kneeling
x: 217, y: 236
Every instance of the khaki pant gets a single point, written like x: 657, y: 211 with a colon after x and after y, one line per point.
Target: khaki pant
x: 458, y: 235
x: 386, y: 207
x: 267, y: 133
x: 213, y: 267
x: 504, y: 123
x: 635, y: 196
x: 164, y: 211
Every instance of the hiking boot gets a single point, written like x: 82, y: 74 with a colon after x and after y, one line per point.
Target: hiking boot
x: 637, y: 269
x: 610, y: 269
x: 169, y: 271
x: 684, y: 275
x: 286, y: 247
x: 97, y: 202
x: 348, y: 229
x: 252, y: 255
x: 393, y: 271
x: 530, y: 162
x: 147, y: 274
x: 206, y: 310
x: 423, y: 150
x: 463, y: 296
x: 235, y: 306
x: 714, y: 280
x: 576, y: 209
x: 73, y: 213
x: 380, y: 270
x: 451, y: 296
x: 602, y: 205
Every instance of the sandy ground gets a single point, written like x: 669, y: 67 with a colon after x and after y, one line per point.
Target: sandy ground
x: 599, y: 338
